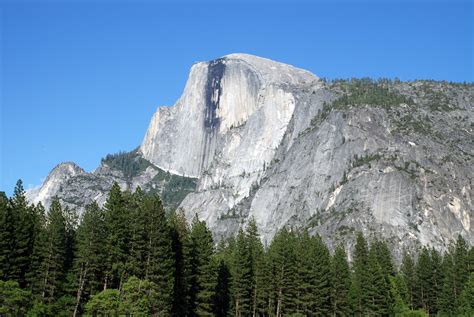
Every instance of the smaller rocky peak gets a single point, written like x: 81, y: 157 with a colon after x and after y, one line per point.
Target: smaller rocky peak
x: 65, y: 170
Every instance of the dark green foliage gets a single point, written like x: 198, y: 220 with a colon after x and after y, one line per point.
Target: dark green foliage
x: 423, y: 279
x: 89, y: 263
x: 378, y: 300
x: 222, y: 298
x: 14, y: 301
x: 341, y: 282
x: 365, y: 91
x: 105, y: 303
x: 53, y: 268
x: 129, y: 163
x: 21, y: 244
x: 446, y: 302
x: 180, y: 245
x: 40, y: 234
x: 7, y: 237
x: 117, y: 219
x: 203, y: 277
x: 130, y: 259
x: 173, y: 188
x: 159, y: 247
x: 283, y: 264
x: 359, y: 294
x: 466, y: 300
x: 407, y: 271
x: 461, y: 266
x: 242, y: 276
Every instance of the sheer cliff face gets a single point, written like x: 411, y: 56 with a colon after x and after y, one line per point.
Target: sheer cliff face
x: 220, y: 96
x: 225, y: 128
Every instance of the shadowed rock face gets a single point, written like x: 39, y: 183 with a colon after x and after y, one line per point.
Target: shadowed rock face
x: 273, y: 142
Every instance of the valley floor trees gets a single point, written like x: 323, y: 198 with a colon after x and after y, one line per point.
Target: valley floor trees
x: 131, y: 258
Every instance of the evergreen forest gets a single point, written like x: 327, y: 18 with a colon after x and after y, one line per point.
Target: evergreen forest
x: 132, y: 258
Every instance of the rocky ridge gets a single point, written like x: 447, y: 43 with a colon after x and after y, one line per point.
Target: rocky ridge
x: 267, y: 140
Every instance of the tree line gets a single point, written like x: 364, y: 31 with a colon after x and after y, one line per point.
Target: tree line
x: 132, y: 258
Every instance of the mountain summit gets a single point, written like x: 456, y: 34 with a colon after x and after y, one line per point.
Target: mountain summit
x: 250, y: 137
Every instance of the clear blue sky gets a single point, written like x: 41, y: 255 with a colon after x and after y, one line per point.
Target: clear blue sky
x: 82, y: 79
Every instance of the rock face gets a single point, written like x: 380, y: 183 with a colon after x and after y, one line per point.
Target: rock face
x: 76, y: 188
x: 274, y: 142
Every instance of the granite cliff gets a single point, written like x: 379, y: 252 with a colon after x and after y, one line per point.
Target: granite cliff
x: 250, y: 137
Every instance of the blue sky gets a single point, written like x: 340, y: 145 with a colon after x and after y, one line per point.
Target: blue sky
x: 80, y: 79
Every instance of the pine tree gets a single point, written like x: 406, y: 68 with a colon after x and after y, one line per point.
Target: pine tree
x: 424, y: 273
x: 435, y: 281
x: 283, y: 263
x: 257, y: 253
x: 322, y: 277
x: 466, y: 300
x: 242, y: 279
x: 180, y: 246
x: 341, y: 282
x: 23, y: 235
x: 118, y: 236
x: 223, y: 297
x: 384, y: 257
x: 203, y: 278
x: 160, y: 261
x: 138, y: 236
x: 378, y: 289
x: 307, y: 291
x: 407, y: 271
x: 360, y: 282
x: 446, y: 303
x: 398, y: 295
x: 7, y: 237
x: 461, y: 266
x: 89, y: 264
x: 39, y: 249
x: 53, y: 267
x: 14, y: 301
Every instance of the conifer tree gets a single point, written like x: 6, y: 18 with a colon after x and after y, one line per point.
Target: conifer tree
x: 39, y: 249
x: 283, y: 264
x: 160, y: 261
x: 466, y: 300
x: 307, y: 291
x: 89, y: 264
x: 461, y: 266
x: 398, y: 295
x: 242, y: 276
x: 223, y: 296
x: 378, y: 289
x: 138, y: 236
x: 447, y: 299
x: 322, y: 277
x: 257, y: 253
x: 180, y: 247
x: 436, y: 281
x: 7, y: 237
x: 424, y: 273
x: 203, y: 278
x: 407, y: 271
x: 118, y: 235
x: 341, y: 282
x: 359, y: 292
x: 53, y: 267
x: 384, y: 257
x: 22, y: 244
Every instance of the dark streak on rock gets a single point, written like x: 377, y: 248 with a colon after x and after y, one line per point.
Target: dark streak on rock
x: 213, y: 93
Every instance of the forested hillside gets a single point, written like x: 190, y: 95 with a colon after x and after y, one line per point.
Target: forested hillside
x: 132, y: 258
